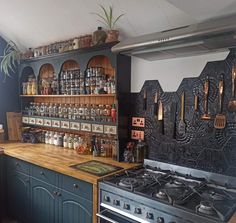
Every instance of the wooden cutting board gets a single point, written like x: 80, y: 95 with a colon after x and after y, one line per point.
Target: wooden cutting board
x: 14, y: 125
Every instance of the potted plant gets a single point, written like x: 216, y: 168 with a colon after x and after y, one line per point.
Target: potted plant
x: 10, y: 58
x: 107, y: 18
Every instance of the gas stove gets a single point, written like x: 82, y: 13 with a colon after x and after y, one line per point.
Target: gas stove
x: 164, y: 193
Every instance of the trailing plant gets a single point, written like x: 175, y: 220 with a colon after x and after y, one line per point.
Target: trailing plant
x: 107, y: 17
x: 10, y: 58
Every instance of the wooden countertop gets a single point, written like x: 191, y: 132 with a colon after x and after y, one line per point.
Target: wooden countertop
x: 57, y: 159
x: 233, y: 219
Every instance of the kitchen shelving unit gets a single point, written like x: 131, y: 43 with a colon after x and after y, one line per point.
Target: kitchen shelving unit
x: 117, y: 66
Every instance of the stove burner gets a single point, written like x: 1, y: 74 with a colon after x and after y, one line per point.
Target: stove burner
x: 206, y: 207
x: 178, y: 183
x: 161, y: 194
x: 128, y: 182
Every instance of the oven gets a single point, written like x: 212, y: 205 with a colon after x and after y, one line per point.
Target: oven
x: 109, y: 216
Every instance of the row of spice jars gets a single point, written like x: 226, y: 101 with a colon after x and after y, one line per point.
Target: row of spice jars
x: 59, y: 47
x: 94, y: 81
x: 94, y: 112
x: 82, y: 144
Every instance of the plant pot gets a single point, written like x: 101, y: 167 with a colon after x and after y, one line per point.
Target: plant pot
x: 112, y: 36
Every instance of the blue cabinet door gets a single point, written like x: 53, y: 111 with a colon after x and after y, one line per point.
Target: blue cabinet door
x: 18, y: 192
x: 74, y: 209
x: 44, y: 202
x: 2, y: 188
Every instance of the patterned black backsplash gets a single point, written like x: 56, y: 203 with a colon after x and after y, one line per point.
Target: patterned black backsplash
x: 202, y: 146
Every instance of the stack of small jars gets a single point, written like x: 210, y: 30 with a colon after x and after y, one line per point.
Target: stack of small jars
x: 94, y: 81
x: 30, y: 87
x: 94, y: 112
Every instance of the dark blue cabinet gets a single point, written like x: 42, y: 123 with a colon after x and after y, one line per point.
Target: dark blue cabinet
x: 2, y: 188
x: 74, y: 209
x: 18, y: 188
x: 38, y: 195
x: 44, y: 202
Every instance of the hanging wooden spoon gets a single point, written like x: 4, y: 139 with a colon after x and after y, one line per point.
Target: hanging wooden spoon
x: 232, y: 102
x: 220, y: 119
x: 206, y: 116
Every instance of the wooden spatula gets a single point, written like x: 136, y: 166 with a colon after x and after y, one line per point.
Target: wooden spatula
x: 182, y: 125
x: 220, y: 119
x: 206, y: 116
x: 160, y: 117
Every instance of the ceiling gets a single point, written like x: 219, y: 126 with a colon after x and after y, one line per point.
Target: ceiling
x: 32, y: 23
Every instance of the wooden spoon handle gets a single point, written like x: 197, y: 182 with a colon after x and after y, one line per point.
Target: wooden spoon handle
x: 182, y: 107
x: 221, y: 89
x: 206, y: 90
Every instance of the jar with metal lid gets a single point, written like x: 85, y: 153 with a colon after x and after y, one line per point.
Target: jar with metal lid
x: 70, y: 111
x: 51, y: 138
x: 76, y: 142
x: 60, y: 139
x: 87, y: 112
x: 46, y: 109
x: 42, y: 109
x: 81, y: 111
x: 92, y: 112
x: 47, y: 137
x: 29, y: 88
x: 75, y: 112
x: 54, y: 110
x: 55, y: 141
x: 65, y: 111
x: 24, y: 88
x: 65, y: 140
x: 34, y: 87
x: 71, y: 141
x: 98, y: 117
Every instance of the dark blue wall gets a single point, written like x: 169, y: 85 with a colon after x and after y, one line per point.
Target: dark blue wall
x: 9, y: 97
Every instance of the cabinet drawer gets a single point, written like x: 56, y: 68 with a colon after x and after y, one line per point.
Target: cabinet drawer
x: 14, y: 164
x: 45, y: 175
x: 75, y: 186
x: 39, y: 121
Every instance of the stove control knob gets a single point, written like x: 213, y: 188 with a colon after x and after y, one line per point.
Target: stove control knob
x: 107, y: 198
x: 160, y: 220
x: 117, y: 202
x: 137, y: 211
x: 127, y: 206
x: 149, y: 215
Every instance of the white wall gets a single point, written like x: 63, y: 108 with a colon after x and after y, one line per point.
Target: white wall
x: 169, y: 72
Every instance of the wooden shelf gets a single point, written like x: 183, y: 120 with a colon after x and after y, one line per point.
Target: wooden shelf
x: 68, y: 96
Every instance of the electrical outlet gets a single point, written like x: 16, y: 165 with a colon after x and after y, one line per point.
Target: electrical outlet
x: 138, y: 122
x: 135, y: 134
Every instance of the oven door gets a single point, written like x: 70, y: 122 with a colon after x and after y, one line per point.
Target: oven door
x: 108, y: 216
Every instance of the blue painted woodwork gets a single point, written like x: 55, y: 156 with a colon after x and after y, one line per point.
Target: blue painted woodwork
x: 44, y: 203
x: 74, y: 209
x: 9, y: 92
x: 39, y: 195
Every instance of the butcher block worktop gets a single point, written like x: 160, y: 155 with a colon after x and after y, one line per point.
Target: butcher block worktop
x: 57, y: 159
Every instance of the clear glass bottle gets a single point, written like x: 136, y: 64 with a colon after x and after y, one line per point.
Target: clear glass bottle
x: 60, y: 111
x: 71, y: 141
x: 55, y: 141
x: 65, y: 111
x: 70, y: 111
x: 65, y: 140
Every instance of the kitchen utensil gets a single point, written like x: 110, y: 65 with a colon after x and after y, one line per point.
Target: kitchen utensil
x: 232, y: 102
x: 145, y: 100
x: 173, y: 120
x: 195, y: 103
x: 182, y: 126
x: 157, y: 96
x: 220, y: 119
x: 160, y: 116
x: 206, y: 116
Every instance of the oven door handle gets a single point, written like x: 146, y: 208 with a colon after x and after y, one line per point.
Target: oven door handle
x: 105, y: 218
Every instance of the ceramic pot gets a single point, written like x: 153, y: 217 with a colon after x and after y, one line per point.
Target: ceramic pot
x: 99, y: 36
x: 112, y: 36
